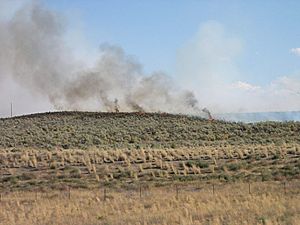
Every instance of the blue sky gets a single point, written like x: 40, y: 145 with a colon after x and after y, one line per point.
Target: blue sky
x: 234, y: 56
x: 154, y: 31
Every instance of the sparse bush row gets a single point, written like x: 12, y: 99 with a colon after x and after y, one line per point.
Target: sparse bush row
x: 30, y: 168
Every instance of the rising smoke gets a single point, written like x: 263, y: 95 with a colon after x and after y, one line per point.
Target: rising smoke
x: 34, y: 54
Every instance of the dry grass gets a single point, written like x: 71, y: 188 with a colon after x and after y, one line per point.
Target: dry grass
x: 30, y: 168
x: 230, y: 204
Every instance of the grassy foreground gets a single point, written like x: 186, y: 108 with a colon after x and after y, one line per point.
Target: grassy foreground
x: 267, y: 203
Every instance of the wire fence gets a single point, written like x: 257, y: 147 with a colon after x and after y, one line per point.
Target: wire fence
x: 141, y: 191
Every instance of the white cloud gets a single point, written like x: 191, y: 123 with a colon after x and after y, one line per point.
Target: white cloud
x: 286, y: 86
x: 295, y: 51
x: 245, y: 86
x: 281, y: 94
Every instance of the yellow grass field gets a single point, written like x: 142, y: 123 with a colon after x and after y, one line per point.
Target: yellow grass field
x: 196, y: 203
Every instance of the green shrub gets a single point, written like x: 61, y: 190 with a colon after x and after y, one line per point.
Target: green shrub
x: 202, y: 164
x: 75, y: 173
x: 234, y: 166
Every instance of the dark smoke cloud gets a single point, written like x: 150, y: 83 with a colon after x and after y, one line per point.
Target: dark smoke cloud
x: 118, y: 76
x: 34, y: 54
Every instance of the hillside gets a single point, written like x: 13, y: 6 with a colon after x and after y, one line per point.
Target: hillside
x: 134, y: 130
x: 85, y: 149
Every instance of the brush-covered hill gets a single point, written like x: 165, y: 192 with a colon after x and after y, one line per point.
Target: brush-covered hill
x: 136, y: 130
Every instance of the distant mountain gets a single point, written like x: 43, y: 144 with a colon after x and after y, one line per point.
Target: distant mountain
x: 260, y: 116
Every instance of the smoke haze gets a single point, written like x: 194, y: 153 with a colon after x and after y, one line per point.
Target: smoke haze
x: 35, y: 56
x: 207, y: 65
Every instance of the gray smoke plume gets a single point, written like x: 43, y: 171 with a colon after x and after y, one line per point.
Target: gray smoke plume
x: 32, y: 50
x: 34, y: 54
x: 118, y: 76
x: 209, y: 116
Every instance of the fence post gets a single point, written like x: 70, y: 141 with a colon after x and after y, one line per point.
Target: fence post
x: 249, y: 188
x: 69, y: 193
x: 0, y: 197
x: 213, y: 187
x: 104, y: 194
x: 11, y: 109
x: 140, y: 191
x: 284, y: 185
